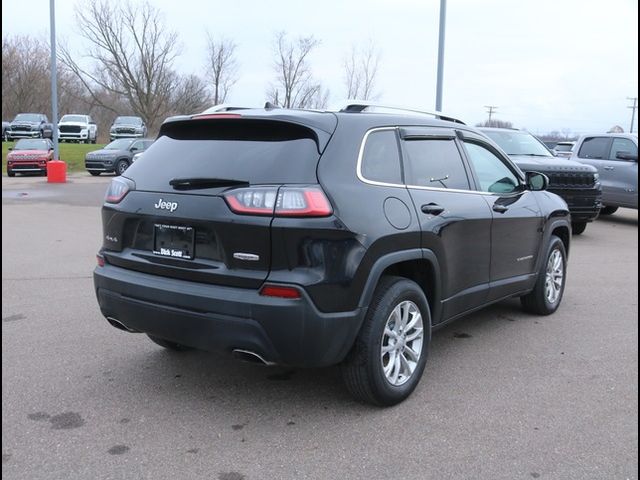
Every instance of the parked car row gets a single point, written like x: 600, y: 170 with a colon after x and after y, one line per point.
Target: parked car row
x: 71, y: 128
x: 576, y: 183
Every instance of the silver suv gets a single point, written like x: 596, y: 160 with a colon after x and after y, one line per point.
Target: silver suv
x: 615, y: 155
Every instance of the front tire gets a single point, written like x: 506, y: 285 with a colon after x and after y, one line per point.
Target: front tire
x: 608, y: 210
x: 95, y: 174
x: 11, y: 173
x: 121, y: 167
x: 578, y: 228
x: 390, y: 352
x: 546, y: 296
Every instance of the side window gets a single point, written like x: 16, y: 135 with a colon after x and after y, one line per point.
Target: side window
x: 622, y: 145
x: 435, y: 163
x: 594, y: 147
x: 137, y: 145
x: 494, y: 176
x: 381, y: 159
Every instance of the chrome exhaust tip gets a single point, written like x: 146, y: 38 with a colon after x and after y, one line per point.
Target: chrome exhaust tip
x: 119, y: 325
x: 249, y: 356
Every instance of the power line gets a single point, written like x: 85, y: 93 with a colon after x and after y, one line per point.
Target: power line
x: 490, y: 110
x: 633, y: 111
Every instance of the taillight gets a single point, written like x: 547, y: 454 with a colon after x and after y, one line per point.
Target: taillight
x: 283, y: 202
x: 100, y: 260
x: 118, y: 189
x: 280, y: 291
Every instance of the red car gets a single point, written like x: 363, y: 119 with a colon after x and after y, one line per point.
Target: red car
x: 30, y: 155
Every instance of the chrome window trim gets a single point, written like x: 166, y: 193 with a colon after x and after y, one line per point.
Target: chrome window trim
x: 363, y: 179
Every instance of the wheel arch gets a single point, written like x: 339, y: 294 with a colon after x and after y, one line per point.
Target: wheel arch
x: 418, y: 265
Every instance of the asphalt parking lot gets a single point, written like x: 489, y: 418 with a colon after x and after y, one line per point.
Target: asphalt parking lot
x: 505, y: 395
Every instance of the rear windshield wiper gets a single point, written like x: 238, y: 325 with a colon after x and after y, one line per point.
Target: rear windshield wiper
x: 195, y: 183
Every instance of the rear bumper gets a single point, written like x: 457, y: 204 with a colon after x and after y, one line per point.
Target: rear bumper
x: 216, y: 318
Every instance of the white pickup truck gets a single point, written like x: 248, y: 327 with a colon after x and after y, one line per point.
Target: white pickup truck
x: 77, y: 128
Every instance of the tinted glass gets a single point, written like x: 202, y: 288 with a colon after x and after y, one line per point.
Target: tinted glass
x: 518, y: 143
x: 564, y: 147
x: 594, y: 147
x: 128, y: 120
x: 28, y: 117
x: 74, y: 118
x: 622, y: 145
x: 435, y: 163
x: 381, y: 160
x: 257, y: 152
x: 494, y: 176
x: 120, y: 144
x: 31, y: 144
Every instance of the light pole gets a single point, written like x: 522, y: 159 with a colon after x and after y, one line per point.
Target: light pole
x: 54, y: 80
x: 443, y: 14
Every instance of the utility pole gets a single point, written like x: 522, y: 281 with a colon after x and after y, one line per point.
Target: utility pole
x: 443, y: 14
x: 54, y: 80
x: 490, y: 110
x: 633, y: 111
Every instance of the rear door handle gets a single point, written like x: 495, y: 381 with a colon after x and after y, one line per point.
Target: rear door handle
x: 609, y: 168
x: 499, y: 208
x: 432, y: 208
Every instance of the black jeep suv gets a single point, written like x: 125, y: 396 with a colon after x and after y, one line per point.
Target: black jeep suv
x: 578, y: 184
x: 310, y: 238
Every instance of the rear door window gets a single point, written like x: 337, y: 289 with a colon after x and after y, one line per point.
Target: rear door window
x: 595, y: 147
x: 435, y: 163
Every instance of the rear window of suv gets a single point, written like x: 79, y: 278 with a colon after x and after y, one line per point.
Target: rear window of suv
x: 256, y: 152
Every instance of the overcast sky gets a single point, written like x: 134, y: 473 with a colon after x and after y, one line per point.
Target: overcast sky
x: 547, y: 65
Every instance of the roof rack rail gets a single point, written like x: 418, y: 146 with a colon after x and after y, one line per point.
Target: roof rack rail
x: 357, y: 106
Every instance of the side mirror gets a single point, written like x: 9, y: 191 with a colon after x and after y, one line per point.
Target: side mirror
x: 134, y: 149
x: 536, y: 181
x: 92, y: 123
x: 627, y: 156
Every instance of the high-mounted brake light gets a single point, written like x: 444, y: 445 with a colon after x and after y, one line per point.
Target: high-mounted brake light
x: 210, y: 116
x: 280, y: 292
x: 283, y: 202
x: 118, y: 189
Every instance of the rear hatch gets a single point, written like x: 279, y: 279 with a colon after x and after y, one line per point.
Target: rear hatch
x: 178, y: 219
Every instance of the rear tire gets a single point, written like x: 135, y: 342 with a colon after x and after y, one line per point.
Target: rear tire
x: 578, y: 228
x: 176, y: 347
x: 390, y: 352
x: 546, y: 296
x: 608, y: 210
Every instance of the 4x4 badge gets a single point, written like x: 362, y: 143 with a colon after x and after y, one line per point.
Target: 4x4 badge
x: 162, y: 205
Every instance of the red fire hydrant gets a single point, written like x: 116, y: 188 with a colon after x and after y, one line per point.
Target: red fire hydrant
x: 56, y: 171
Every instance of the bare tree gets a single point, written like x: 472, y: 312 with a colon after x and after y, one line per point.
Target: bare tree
x: 222, y: 67
x: 360, y: 72
x: 295, y: 86
x: 26, y: 77
x: 190, y: 95
x: 130, y: 52
x: 495, y: 123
